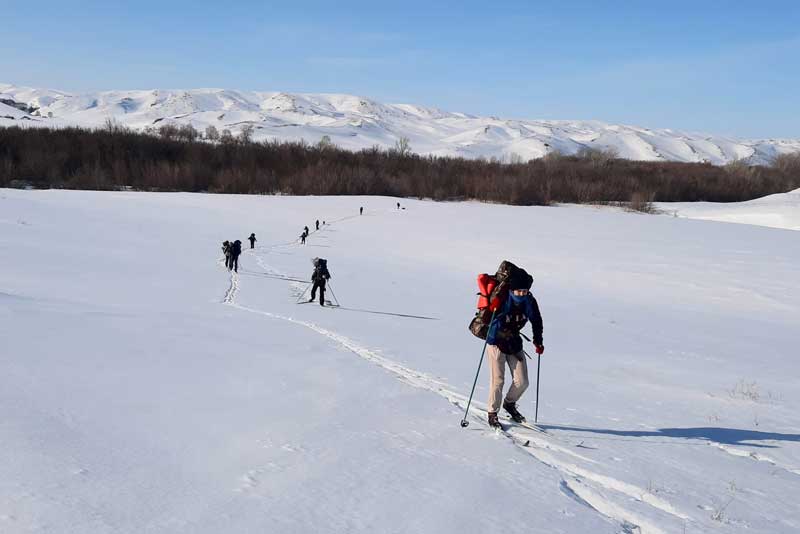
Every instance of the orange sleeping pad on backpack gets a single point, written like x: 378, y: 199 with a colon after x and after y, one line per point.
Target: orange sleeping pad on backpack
x: 486, y: 283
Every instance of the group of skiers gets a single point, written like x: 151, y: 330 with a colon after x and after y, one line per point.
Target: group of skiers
x: 232, y: 251
x: 361, y: 209
x: 508, y: 297
x: 305, y: 232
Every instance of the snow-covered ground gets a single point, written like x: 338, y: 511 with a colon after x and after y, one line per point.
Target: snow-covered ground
x: 356, y: 122
x: 781, y: 210
x: 145, y: 389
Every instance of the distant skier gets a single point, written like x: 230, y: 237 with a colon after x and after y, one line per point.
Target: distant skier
x: 236, y: 250
x: 303, y: 237
x: 305, y: 230
x: 504, y: 346
x: 319, y: 277
x: 398, y: 205
x: 253, y: 240
x: 317, y: 224
x: 361, y: 210
x: 226, y: 249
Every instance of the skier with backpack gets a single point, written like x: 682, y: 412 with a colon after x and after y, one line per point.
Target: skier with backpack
x: 505, y: 306
x: 319, y: 277
x: 236, y: 250
x: 253, y: 240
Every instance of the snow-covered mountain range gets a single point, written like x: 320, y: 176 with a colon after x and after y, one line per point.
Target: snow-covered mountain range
x: 354, y: 122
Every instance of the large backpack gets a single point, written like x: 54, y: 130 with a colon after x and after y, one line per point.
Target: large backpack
x: 492, y: 293
x: 320, y: 270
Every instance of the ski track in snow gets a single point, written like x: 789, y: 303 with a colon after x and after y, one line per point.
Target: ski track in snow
x: 733, y: 451
x: 581, y: 484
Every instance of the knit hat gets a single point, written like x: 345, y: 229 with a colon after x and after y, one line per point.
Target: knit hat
x: 520, y: 280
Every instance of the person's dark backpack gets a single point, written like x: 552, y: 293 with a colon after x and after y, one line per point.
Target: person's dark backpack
x: 320, y: 269
x: 492, y: 293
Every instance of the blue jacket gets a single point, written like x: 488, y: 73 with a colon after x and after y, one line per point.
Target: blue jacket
x: 508, y: 322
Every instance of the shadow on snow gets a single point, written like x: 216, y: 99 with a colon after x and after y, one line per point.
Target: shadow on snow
x: 725, y: 436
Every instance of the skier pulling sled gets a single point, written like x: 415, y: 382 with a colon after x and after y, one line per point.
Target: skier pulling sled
x: 505, y: 305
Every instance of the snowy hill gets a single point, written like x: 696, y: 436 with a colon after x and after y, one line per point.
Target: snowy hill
x: 146, y: 389
x: 354, y: 122
x: 781, y: 210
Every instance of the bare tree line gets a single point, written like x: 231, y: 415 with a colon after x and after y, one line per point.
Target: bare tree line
x: 176, y: 158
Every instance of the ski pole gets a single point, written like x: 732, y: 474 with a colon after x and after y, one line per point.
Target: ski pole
x: 464, y: 422
x: 538, y: 368
x: 333, y: 294
x: 303, y: 293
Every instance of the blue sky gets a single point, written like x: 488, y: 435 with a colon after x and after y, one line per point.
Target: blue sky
x: 726, y: 67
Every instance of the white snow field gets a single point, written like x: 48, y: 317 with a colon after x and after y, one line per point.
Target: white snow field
x: 144, y: 389
x: 356, y: 122
x: 781, y: 210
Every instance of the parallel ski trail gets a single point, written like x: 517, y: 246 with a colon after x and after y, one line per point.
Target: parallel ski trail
x: 580, y: 480
x: 582, y: 484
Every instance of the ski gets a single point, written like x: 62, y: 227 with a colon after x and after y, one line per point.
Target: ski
x: 548, y: 435
x: 533, y: 428
x: 529, y: 426
x: 328, y: 303
x: 506, y: 431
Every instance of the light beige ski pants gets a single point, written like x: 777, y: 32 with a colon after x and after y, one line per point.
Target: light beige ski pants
x: 497, y: 369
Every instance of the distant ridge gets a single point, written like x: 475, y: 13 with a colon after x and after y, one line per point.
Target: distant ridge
x: 354, y: 122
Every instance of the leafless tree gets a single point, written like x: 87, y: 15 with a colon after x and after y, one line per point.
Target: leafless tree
x: 176, y: 161
x: 403, y: 146
x: 212, y: 134
x: 246, y: 133
x: 325, y: 143
x: 187, y: 132
x: 226, y: 137
x: 788, y: 163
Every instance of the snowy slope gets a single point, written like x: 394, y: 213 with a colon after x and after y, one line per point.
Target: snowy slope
x: 781, y: 210
x: 145, y: 389
x: 10, y: 113
x: 355, y: 122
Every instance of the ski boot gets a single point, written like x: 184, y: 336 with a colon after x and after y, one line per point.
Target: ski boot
x: 494, y: 422
x: 511, y: 408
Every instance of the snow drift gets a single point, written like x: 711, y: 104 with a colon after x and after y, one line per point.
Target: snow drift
x: 781, y: 210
